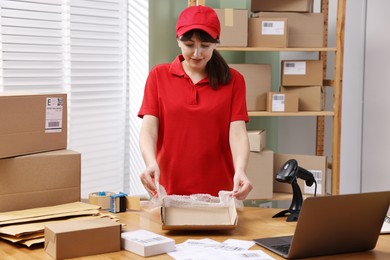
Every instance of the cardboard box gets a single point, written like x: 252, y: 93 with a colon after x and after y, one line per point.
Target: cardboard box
x: 258, y: 80
x: 146, y: 243
x: 315, y: 164
x: 234, y: 27
x: 32, y: 123
x: 260, y: 173
x: 268, y: 32
x: 282, y: 6
x: 311, y: 98
x: 282, y: 102
x: 199, y: 218
x: 304, y: 29
x: 302, y: 73
x: 69, y: 239
x: 257, y: 140
x: 39, y: 180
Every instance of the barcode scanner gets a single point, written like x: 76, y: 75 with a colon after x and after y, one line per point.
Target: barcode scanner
x: 289, y: 173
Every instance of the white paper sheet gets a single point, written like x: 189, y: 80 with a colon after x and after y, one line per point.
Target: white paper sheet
x: 202, y: 249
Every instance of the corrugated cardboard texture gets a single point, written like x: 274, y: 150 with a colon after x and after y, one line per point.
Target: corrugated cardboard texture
x: 309, y: 162
x: 312, y: 76
x: 22, y: 127
x: 260, y: 173
x: 234, y: 27
x: 304, y: 29
x: 39, y: 180
x: 282, y: 5
x: 257, y: 38
x: 258, y: 80
x: 290, y: 103
x: 257, y: 140
x: 205, y: 218
x: 82, y: 238
x: 311, y: 98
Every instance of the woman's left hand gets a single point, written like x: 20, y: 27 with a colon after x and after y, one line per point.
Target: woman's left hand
x: 242, y: 186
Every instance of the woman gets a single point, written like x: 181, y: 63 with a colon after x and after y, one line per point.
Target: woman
x: 193, y: 136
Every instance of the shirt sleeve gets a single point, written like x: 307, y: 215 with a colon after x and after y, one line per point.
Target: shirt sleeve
x: 239, y: 108
x: 150, y: 103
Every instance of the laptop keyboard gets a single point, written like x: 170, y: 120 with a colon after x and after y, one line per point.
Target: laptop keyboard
x: 282, y: 248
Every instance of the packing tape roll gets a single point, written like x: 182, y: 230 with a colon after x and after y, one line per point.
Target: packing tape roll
x: 101, y: 198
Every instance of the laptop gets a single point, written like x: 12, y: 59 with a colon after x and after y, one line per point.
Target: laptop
x: 331, y: 225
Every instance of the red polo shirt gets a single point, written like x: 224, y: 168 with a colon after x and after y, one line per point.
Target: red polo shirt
x: 193, y: 150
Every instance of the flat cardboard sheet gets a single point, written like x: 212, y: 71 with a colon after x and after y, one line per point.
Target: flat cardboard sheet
x: 28, y: 226
x: 63, y: 210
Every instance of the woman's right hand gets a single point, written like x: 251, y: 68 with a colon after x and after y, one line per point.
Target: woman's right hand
x: 150, y: 177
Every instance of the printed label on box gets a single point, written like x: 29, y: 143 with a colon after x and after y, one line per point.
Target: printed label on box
x: 318, y: 177
x: 54, y: 108
x: 272, y: 27
x: 294, y: 68
x: 278, y: 101
x: 144, y: 237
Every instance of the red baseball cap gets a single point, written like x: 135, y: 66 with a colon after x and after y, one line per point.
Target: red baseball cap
x: 198, y: 17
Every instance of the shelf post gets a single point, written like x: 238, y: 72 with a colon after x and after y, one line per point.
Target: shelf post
x: 320, y: 127
x: 337, y: 95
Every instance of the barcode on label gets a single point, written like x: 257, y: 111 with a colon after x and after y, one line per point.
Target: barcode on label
x: 53, y: 124
x: 316, y: 173
x: 290, y: 64
x: 278, y: 97
x: 265, y: 24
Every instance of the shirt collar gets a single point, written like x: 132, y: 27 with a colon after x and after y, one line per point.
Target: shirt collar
x: 176, y: 68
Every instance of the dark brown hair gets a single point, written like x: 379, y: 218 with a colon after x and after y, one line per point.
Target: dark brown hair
x: 217, y: 69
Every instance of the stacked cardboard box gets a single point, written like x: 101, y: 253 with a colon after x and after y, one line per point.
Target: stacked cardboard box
x: 282, y: 102
x: 304, y: 6
x: 234, y: 27
x: 36, y: 169
x: 260, y: 165
x: 304, y: 78
x: 32, y: 123
x: 268, y: 32
x: 258, y: 82
x: 303, y: 28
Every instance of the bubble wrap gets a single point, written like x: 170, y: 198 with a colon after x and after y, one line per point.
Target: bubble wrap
x: 195, y: 200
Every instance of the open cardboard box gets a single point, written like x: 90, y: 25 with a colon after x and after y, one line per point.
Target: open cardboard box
x: 199, y: 218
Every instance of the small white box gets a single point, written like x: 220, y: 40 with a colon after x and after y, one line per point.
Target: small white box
x: 257, y: 140
x: 146, y: 243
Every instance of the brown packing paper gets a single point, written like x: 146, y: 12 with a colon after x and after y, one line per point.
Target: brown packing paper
x: 63, y: 210
x: 24, y: 229
x: 22, y: 238
x: 29, y: 234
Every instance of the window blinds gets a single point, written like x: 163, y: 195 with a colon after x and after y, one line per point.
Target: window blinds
x: 138, y: 55
x: 97, y: 90
x: 31, y: 39
x: 79, y: 47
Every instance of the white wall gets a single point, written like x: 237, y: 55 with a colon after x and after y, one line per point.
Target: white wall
x: 365, y: 123
x: 376, y: 106
x: 351, y: 127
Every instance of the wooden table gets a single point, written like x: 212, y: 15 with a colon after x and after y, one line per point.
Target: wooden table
x: 252, y: 223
